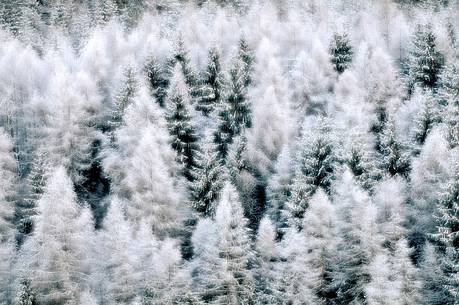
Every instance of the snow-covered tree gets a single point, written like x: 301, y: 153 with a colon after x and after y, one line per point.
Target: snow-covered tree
x: 119, y: 281
x: 154, y: 192
x: 36, y: 182
x: 449, y: 95
x: 278, y: 189
x: 162, y: 277
x: 8, y: 182
x: 105, y: 10
x: 315, y: 167
x: 208, y: 179
x: 390, y: 197
x: 131, y: 12
x: 448, y: 230
x: 358, y: 243
x: 180, y: 121
x: 312, y: 80
x: 210, y: 93
x: 56, y: 256
x: 156, y: 80
x: 405, y: 275
x: 246, y: 57
x: 310, y: 254
x: 235, y: 112
x: 341, y: 52
x: 11, y: 15
x: 181, y: 58
x: 432, y: 278
x: 395, y: 155
x: 426, y: 61
x: 223, y: 276
x: 7, y: 272
x: 426, y: 119
x: 70, y: 129
x: 430, y: 172
x: 361, y: 159
x: 381, y: 289
x: 26, y: 294
x: 123, y: 98
x: 271, y: 120
x: 266, y: 271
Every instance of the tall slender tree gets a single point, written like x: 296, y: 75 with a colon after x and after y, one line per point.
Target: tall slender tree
x: 235, y: 112
x: 208, y: 176
x: 223, y: 274
x: 56, y: 256
x: 426, y: 60
x: 180, y: 121
x: 341, y: 52
x: 212, y: 84
x: 156, y: 80
x: 316, y: 163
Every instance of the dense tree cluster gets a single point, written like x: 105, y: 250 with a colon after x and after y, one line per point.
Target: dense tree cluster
x: 229, y: 152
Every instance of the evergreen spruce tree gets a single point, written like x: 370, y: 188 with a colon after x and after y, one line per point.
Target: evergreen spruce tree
x: 36, y: 180
x: 181, y: 58
x: 208, y: 176
x: 210, y: 94
x: 449, y: 96
x: 395, y: 157
x: 278, y: 190
x: 105, y: 10
x: 341, y: 52
x: 124, y: 98
x: 426, y: 60
x: 180, y: 122
x: 405, y: 275
x: 223, y: 275
x: 381, y: 289
x: 361, y: 160
x: 235, y: 112
x: 433, y: 290
x: 11, y: 15
x: 430, y: 172
x: 246, y: 57
x: 26, y: 294
x: 156, y: 80
x: 309, y: 262
x: 56, y: 256
x: 315, y: 168
x: 153, y: 186
x: 448, y: 231
x: 358, y: 243
x: 390, y: 197
x: 425, y: 120
x: 7, y: 270
x: 265, y: 273
x: 8, y: 181
x: 116, y: 260
x: 131, y: 11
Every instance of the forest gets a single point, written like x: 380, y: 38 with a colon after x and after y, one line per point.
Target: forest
x: 230, y: 152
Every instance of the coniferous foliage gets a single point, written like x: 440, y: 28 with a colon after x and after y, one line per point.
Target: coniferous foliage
x: 448, y: 228
x: 427, y: 61
x: 235, y: 112
x: 211, y: 90
x: 229, y: 152
x: 180, y: 121
x: 123, y: 99
x: 395, y: 157
x: 156, y: 80
x: 316, y: 164
x: 208, y: 175
x: 341, y: 52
